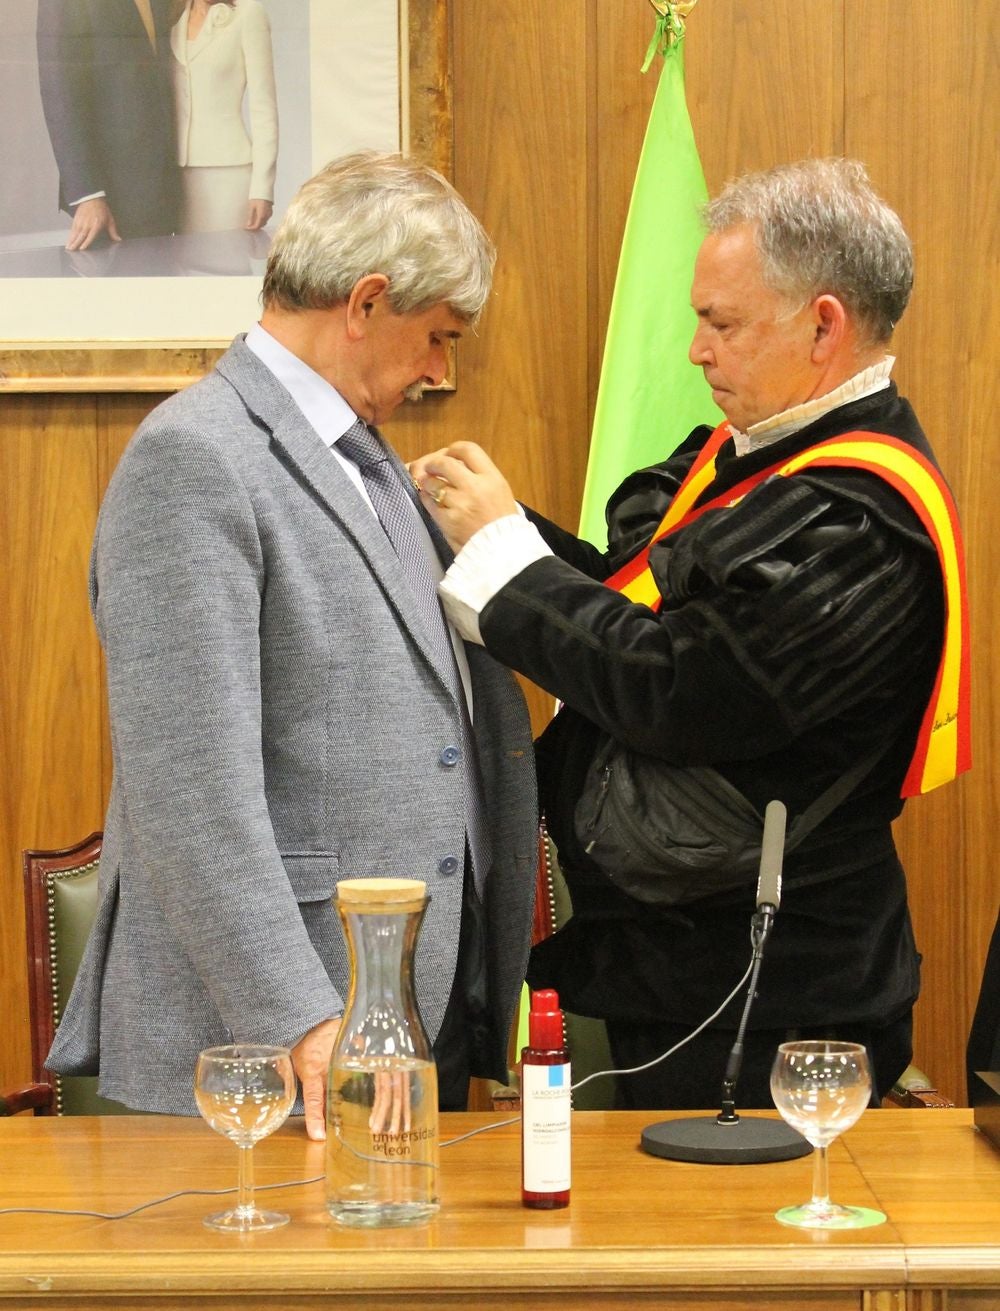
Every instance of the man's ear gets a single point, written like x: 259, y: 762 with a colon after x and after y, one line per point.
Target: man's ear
x: 830, y: 327
x: 368, y: 296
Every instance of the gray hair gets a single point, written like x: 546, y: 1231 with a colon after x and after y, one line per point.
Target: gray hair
x: 820, y: 228
x: 374, y: 213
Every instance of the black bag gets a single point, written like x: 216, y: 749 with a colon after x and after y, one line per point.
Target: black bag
x: 667, y: 834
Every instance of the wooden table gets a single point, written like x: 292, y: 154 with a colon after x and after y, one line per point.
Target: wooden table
x: 639, y: 1231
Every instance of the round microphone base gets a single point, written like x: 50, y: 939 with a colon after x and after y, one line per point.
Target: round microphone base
x: 707, y: 1142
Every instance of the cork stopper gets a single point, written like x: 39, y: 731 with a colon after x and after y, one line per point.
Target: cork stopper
x: 381, y: 894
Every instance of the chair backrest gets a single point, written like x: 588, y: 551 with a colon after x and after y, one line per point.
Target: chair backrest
x: 586, y: 1037
x: 60, y: 898
x: 983, y: 1050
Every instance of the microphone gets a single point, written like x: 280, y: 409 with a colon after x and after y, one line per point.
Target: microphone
x: 726, y: 1139
x: 772, y: 849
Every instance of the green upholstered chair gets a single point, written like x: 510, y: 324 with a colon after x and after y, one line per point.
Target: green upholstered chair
x: 60, y: 895
x: 983, y: 1049
x: 586, y: 1038
x: 913, y: 1090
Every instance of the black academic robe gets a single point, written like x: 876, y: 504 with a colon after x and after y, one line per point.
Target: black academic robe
x: 801, y: 632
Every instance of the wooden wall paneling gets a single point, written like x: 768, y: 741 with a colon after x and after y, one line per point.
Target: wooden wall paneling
x: 922, y: 108
x: 50, y: 725
x: 764, y: 83
x: 620, y: 99
x: 521, y: 164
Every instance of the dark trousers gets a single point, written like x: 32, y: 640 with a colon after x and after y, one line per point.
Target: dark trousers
x: 464, y: 1041
x: 691, y: 1079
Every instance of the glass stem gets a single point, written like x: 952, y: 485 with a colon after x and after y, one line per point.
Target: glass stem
x: 244, y: 1197
x: 821, y: 1183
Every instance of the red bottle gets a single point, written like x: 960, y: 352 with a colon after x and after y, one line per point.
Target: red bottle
x: 545, y: 1106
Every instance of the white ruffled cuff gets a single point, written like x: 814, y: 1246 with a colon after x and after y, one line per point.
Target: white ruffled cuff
x: 488, y: 561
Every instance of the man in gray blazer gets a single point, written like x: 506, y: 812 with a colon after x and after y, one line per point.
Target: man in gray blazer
x: 285, y: 710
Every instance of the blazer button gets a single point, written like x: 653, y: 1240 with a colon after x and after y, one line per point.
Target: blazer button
x: 448, y: 865
x: 450, y: 756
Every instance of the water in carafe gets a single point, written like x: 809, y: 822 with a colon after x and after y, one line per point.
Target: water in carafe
x: 382, y: 1103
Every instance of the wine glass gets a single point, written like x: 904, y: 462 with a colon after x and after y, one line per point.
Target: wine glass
x: 245, y: 1093
x: 821, y: 1089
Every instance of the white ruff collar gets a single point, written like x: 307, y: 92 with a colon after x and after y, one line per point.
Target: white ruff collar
x: 866, y: 383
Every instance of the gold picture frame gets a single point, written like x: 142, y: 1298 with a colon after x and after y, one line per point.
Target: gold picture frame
x: 163, y: 366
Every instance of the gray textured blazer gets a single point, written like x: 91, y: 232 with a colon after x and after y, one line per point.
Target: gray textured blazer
x: 277, y: 723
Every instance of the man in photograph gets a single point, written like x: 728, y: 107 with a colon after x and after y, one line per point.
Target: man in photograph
x: 104, y: 77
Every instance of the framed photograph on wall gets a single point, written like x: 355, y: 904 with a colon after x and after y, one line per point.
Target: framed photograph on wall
x: 308, y: 80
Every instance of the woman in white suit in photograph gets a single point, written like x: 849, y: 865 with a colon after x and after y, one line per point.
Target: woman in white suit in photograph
x: 221, y: 56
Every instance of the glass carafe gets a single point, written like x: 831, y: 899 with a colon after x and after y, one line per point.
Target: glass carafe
x: 382, y: 1102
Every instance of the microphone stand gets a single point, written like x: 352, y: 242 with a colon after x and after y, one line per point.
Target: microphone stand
x: 726, y: 1139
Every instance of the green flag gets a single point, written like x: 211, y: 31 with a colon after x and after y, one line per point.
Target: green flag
x: 650, y: 396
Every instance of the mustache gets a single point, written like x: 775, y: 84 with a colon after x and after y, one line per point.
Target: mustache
x: 415, y: 391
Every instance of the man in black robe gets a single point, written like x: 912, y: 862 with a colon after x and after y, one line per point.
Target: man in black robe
x: 798, y: 639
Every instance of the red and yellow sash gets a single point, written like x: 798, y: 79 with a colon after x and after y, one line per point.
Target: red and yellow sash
x: 943, y: 747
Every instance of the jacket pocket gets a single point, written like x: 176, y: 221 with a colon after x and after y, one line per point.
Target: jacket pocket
x: 312, y: 874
